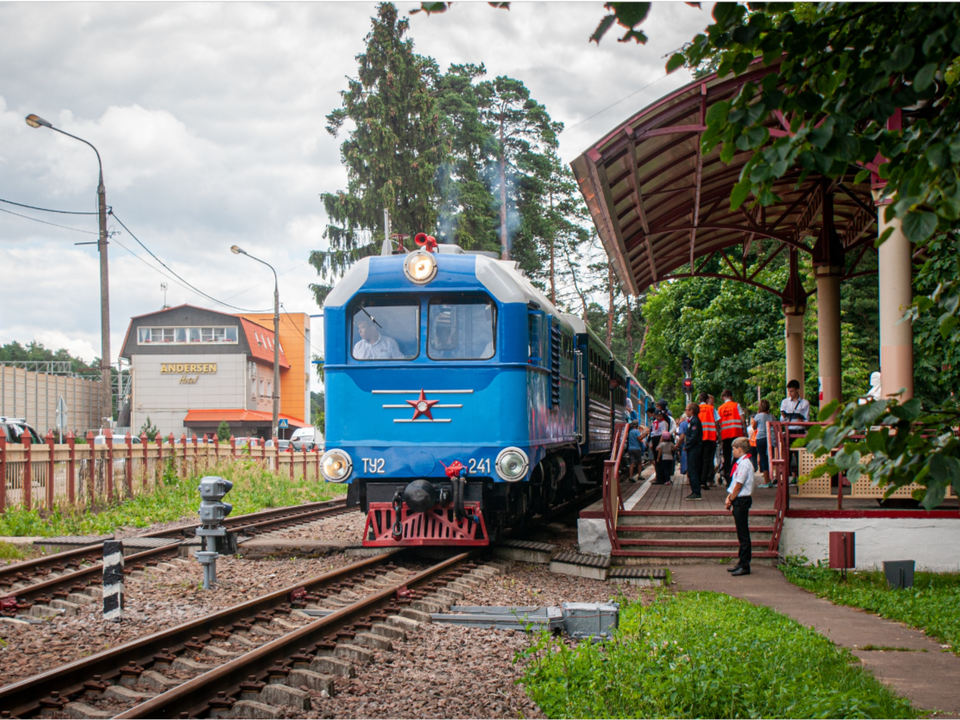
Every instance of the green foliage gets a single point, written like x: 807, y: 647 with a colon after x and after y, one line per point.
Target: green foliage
x: 149, y: 430
x: 930, y: 605
x: 254, y: 489
x: 318, y: 416
x: 904, y: 445
x: 391, y: 154
x: 35, y: 351
x: 223, y: 431
x: 9, y: 551
x: 695, y: 655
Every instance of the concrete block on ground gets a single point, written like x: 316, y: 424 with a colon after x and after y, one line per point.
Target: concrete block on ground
x: 68, y: 607
x: 420, y: 617
x: 328, y: 665
x: 79, y: 598
x: 640, y: 576
x: 94, y: 591
x: 125, y: 694
x: 282, y: 548
x: 258, y: 629
x: 254, y: 710
x: 525, y: 551
x: 360, y: 551
x: 595, y: 567
x: 428, y: 606
x: 153, y: 680
x: 216, y: 652
x: 592, y: 536
x: 354, y: 653
x: 43, y: 611
x: 243, y: 640
x: 82, y: 710
x: 388, y: 631
x: 313, y: 680
x: 285, y: 696
x: 371, y: 640
x: 187, y: 665
x: 404, y: 623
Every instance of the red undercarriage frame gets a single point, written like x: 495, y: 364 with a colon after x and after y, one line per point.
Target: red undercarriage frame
x: 438, y: 526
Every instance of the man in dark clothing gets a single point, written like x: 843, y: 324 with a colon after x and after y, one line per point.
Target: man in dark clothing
x: 694, y: 445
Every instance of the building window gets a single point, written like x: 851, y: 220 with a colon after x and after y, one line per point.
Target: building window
x: 185, y: 335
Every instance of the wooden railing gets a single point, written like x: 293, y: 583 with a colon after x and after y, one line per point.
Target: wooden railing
x: 612, y: 495
x: 87, y: 475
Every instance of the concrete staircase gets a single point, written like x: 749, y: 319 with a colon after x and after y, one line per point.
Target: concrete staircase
x: 659, y: 537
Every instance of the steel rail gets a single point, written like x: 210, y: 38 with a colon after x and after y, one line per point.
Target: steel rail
x: 93, y: 572
x: 92, y: 550
x: 227, y: 678
x: 23, y: 698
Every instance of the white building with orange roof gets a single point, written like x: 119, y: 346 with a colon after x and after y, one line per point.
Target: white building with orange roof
x: 193, y: 368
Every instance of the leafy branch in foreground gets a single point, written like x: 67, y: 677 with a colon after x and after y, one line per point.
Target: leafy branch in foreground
x: 896, y: 444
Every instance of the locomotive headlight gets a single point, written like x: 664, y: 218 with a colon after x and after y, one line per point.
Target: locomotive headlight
x: 420, y: 267
x: 335, y: 465
x: 512, y: 464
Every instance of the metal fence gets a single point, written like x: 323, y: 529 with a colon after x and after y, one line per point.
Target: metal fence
x: 87, y: 475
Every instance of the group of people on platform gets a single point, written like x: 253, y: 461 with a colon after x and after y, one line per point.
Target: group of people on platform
x: 704, y: 432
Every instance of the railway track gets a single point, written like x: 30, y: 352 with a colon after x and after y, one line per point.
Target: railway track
x: 58, y: 576
x: 252, y: 660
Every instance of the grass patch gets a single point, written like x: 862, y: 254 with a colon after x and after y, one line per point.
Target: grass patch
x: 930, y: 605
x: 691, y: 655
x: 9, y: 551
x: 253, y: 489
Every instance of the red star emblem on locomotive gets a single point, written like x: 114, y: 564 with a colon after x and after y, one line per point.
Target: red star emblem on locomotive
x: 421, y: 406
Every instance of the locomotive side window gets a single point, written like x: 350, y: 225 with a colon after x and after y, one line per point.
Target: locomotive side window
x: 388, y: 331
x: 464, y: 329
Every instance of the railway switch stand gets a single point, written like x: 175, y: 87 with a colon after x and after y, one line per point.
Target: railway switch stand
x: 213, y: 511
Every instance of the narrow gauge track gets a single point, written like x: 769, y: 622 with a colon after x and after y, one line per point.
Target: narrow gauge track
x: 58, y: 576
x: 252, y: 659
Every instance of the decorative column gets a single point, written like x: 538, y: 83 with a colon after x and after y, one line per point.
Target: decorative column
x: 896, y: 296
x: 794, y: 308
x: 828, y: 267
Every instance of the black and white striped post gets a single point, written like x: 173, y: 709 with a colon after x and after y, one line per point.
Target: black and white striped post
x: 113, y: 580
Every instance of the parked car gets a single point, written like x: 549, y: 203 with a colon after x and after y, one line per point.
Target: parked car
x: 299, y: 445
x: 282, y: 444
x: 13, y: 430
x: 248, y: 442
x: 117, y: 440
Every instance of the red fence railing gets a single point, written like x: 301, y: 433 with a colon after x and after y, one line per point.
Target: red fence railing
x: 612, y: 495
x: 85, y: 474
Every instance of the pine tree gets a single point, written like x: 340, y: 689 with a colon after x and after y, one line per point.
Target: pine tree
x: 223, y: 431
x: 391, y: 154
x: 523, y: 130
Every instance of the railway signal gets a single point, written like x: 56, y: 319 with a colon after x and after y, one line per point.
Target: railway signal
x: 213, y: 511
x: 687, y: 365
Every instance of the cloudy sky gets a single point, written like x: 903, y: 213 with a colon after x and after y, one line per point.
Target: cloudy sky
x: 209, y: 119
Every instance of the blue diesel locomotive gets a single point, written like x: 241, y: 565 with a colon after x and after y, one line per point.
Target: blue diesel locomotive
x: 460, y: 400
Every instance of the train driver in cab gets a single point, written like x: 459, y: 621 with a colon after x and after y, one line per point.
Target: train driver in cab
x: 373, y: 344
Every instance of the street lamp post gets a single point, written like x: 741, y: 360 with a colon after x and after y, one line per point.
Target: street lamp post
x: 106, y: 399
x: 276, y: 338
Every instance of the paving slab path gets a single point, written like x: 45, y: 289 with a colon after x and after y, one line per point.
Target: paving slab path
x: 931, y: 679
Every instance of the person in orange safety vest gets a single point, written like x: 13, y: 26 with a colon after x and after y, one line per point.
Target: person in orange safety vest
x: 709, y: 451
x: 731, y: 427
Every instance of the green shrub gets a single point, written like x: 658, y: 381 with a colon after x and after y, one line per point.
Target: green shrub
x: 253, y: 489
x: 931, y: 605
x: 223, y: 431
x: 693, y: 655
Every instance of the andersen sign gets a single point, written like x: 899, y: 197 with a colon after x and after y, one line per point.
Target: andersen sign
x: 180, y: 368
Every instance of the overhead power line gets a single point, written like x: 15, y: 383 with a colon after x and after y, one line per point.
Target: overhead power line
x: 179, y: 277
x: 61, y: 212
x: 600, y: 112
x: 44, y: 222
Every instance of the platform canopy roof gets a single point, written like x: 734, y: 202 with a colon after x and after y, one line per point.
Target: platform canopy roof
x: 662, y: 207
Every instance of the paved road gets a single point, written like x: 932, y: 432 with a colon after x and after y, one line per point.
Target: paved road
x: 930, y: 679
